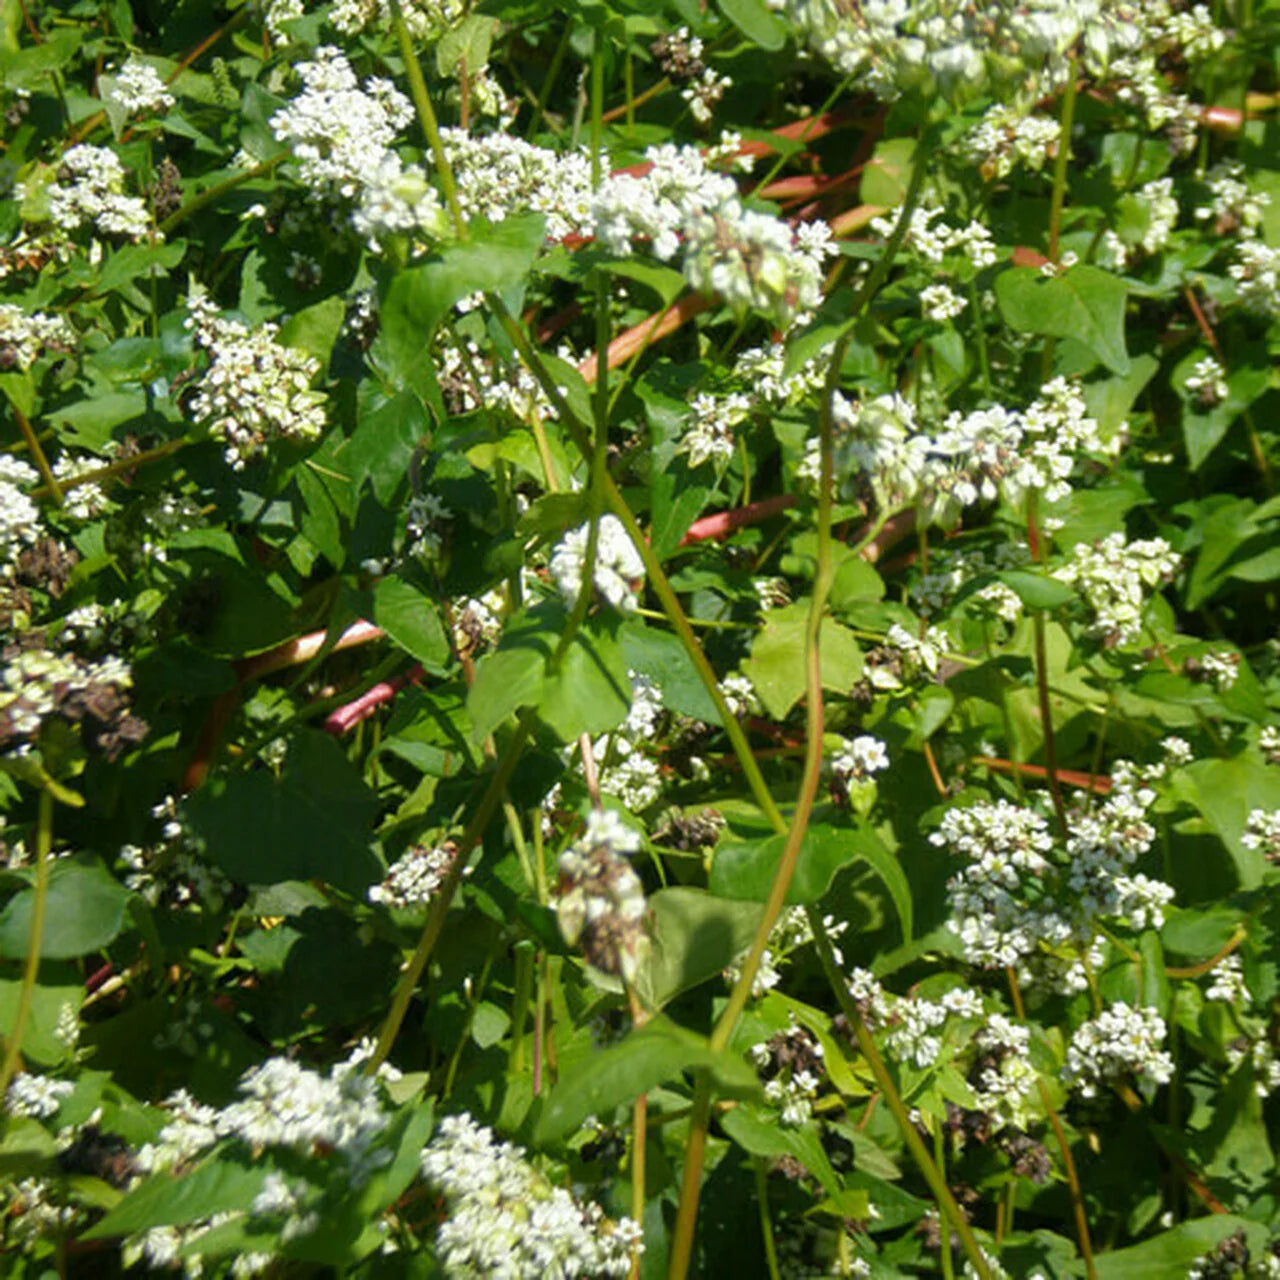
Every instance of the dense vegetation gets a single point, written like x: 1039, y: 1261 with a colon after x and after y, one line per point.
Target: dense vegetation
x: 640, y: 639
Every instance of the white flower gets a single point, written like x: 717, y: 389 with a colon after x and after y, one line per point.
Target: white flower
x: 1119, y: 1039
x: 857, y: 759
x: 618, y: 566
x: 711, y: 438
x: 138, y: 89
x: 90, y: 191
x: 1207, y: 382
x: 412, y: 880
x: 1262, y: 832
x: 938, y: 302
x: 36, y: 1096
x: 504, y: 1219
x: 1114, y: 576
x: 25, y: 334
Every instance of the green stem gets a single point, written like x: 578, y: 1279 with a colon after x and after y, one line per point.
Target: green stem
x: 944, y: 1243
x: 1062, y: 160
x: 553, y: 76
x: 947, y: 1207
x: 427, y: 116
x: 216, y: 192
x: 44, y: 842
x: 766, y: 1223
x: 37, y: 454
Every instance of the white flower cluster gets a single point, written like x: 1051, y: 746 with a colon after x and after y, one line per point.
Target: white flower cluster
x: 859, y: 758
x: 938, y: 241
x: 396, y: 199
x: 755, y: 261
x: 414, y: 877
x: 1232, y: 204
x: 25, y: 334
x: 339, y: 132
x: 37, y: 1097
x: 1006, y: 1078
x: 904, y: 659
x: 1256, y: 272
x: 1228, y: 983
x: 1118, y: 1040
x: 763, y: 371
x: 19, y: 516
x: 470, y: 382
x: 425, y: 19
x: 1261, y: 1058
x: 138, y: 89
x: 36, y: 683
x: 1262, y: 832
x: 971, y: 458
x: 792, y: 932
x: 255, y: 390
x: 709, y: 437
x: 617, y: 570
x: 424, y: 517
x: 940, y: 303
x: 174, y: 871
x: 791, y: 1061
x: 951, y: 571
x: 1114, y: 577
x: 917, y: 1025
x: 89, y: 191
x: 1269, y: 742
x: 498, y: 175
x: 703, y: 92
x: 1157, y: 202
x: 284, y: 1104
x: 1004, y: 139
x: 1207, y: 383
x: 506, y: 1219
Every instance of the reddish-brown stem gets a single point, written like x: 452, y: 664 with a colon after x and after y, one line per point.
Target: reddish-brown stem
x: 1199, y: 970
x: 723, y: 523
x: 625, y: 345
x: 934, y: 772
x: 352, y: 713
x: 1072, y: 777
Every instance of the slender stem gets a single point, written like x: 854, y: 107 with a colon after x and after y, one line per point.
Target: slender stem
x: 427, y: 116
x: 37, y: 454
x: 1062, y: 160
x: 216, y: 192
x: 946, y: 1202
x: 1064, y: 1147
x: 1040, y: 551
x: 944, y: 1236
x: 766, y: 1222
x: 695, y: 1147
x: 44, y: 842
x: 628, y: 108
x: 553, y: 76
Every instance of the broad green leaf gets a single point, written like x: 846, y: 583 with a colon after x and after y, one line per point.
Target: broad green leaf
x: 758, y: 1132
x: 660, y: 656
x: 59, y: 989
x: 658, y: 1052
x: 410, y: 618
x: 757, y: 22
x: 315, y: 329
x: 314, y: 822
x: 776, y: 665
x: 84, y: 910
x: 513, y: 675
x: 90, y: 421
x: 591, y: 691
x: 388, y: 431
x: 469, y: 41
x: 1037, y: 590
x: 1084, y: 303
x: 495, y: 259
x: 695, y: 936
x: 746, y: 870
x: 1172, y: 1252
x: 168, y: 1200
x: 1225, y: 792
x: 885, y: 179
x: 140, y: 262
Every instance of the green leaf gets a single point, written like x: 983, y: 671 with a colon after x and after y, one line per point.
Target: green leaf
x: 410, y: 618
x: 166, y: 1200
x: 776, y: 665
x: 388, y: 431
x: 695, y: 936
x: 1084, y: 303
x: 1173, y: 1252
x: 512, y: 676
x: 1225, y: 792
x: 1037, y: 590
x: 140, y: 262
x: 759, y: 1133
x: 495, y: 259
x: 469, y: 40
x: 89, y: 422
x: 599, y: 1082
x: 84, y: 911
x: 745, y: 870
x: 754, y: 19
x: 591, y: 692
x: 315, y: 329
x: 660, y: 656
x: 313, y: 822
x: 885, y: 179
x: 56, y: 991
